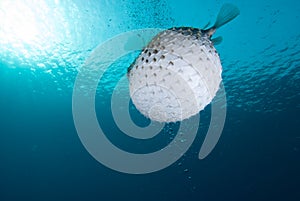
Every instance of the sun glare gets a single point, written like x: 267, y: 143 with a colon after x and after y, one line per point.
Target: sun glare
x: 18, y: 23
x: 30, y: 29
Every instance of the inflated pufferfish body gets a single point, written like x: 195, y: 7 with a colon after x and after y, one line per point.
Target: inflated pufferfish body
x: 179, y: 72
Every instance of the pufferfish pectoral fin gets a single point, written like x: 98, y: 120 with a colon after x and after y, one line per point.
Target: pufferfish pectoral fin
x: 217, y: 40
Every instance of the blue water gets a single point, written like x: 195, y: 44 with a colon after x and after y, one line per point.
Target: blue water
x: 43, y: 45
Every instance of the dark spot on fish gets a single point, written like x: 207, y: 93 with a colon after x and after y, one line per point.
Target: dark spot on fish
x: 208, y: 59
x: 160, y: 67
x: 171, y: 63
x: 216, y: 51
x: 154, y: 74
x: 147, y: 61
x: 131, y: 74
x: 149, y: 54
x: 154, y: 59
x: 202, y: 50
x: 155, y: 51
x: 151, y: 67
x: 162, y: 56
x: 146, y: 50
x: 211, y: 46
x: 136, y: 67
x: 146, y: 75
x: 209, y: 51
x: 163, y: 47
x: 143, y: 58
x: 142, y: 67
x: 129, y: 68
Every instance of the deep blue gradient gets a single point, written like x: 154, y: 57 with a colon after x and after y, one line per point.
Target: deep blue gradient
x: 42, y: 158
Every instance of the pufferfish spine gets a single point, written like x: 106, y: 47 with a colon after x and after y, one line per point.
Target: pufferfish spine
x: 179, y: 72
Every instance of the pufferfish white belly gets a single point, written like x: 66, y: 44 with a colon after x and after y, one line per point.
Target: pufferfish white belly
x: 178, y: 73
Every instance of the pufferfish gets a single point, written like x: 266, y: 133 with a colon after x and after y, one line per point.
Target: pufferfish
x: 179, y: 72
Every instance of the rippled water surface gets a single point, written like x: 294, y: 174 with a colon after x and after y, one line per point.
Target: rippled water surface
x: 260, y: 50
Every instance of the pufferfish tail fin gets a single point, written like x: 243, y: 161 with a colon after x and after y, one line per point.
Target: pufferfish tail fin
x: 227, y: 13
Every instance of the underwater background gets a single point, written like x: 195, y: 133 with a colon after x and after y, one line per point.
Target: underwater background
x: 43, y: 44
